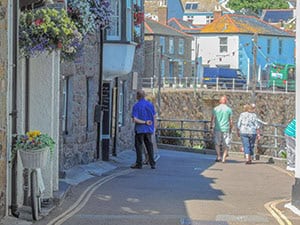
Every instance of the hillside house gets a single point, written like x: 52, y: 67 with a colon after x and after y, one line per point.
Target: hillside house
x: 229, y: 42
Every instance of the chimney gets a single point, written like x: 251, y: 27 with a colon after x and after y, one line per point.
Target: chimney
x: 217, y: 12
x: 163, y: 14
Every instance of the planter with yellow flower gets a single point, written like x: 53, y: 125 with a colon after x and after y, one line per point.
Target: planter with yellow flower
x: 34, y: 148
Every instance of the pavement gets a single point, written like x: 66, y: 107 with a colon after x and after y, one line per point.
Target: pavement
x: 82, y: 173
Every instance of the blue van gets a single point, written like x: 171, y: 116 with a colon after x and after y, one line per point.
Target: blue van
x: 223, y: 77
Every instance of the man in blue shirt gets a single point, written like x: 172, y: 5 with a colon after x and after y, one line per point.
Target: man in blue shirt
x: 144, y: 117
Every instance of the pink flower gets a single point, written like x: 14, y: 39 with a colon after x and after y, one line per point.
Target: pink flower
x: 59, y: 44
x: 38, y: 22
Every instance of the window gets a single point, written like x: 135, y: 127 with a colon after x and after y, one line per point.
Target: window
x: 171, y: 46
x: 280, y: 45
x: 191, y: 6
x: 180, y: 69
x: 209, y: 19
x: 121, y: 103
x: 67, y: 97
x: 268, y: 46
x: 181, y: 46
x: 188, y: 6
x: 195, y: 6
x: 223, y: 44
x: 114, y: 32
x: 129, y: 21
x: 162, y: 43
x: 162, y: 68
x: 89, y: 103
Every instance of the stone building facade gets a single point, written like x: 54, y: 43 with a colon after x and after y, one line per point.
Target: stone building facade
x: 79, y: 86
x: 3, y: 104
x: 167, y: 52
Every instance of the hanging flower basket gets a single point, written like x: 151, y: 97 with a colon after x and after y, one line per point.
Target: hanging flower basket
x: 34, y: 158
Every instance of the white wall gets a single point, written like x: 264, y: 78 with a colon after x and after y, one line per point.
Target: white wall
x: 197, y: 20
x: 209, y: 50
x: 44, y: 75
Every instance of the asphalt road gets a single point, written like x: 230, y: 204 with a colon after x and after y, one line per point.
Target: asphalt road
x: 185, y: 189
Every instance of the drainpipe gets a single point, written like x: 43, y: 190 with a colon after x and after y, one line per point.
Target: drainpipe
x: 13, y: 114
x: 25, y: 171
x: 114, y: 150
x: 98, y: 109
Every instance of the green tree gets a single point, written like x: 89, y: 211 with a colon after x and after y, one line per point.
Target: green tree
x: 256, y: 5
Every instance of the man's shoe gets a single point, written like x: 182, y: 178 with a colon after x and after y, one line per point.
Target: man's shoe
x: 136, y: 166
x: 153, y: 167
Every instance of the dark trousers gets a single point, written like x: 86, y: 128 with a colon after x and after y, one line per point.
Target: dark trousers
x: 142, y: 140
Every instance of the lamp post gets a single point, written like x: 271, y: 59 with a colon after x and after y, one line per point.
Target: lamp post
x: 254, y: 52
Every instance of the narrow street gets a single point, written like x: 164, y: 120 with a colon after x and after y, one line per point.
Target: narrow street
x: 186, y: 188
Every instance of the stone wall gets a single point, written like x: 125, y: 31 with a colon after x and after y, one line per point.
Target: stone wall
x: 78, y: 140
x: 3, y: 104
x: 272, y: 108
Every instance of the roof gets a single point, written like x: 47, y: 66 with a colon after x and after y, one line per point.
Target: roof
x: 233, y: 23
x: 184, y: 26
x: 155, y: 28
x: 277, y: 15
x: 203, y: 5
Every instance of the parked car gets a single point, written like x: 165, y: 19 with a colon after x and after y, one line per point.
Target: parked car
x: 223, y: 77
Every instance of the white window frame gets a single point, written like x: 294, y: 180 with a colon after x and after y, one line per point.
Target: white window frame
x: 114, y: 32
x: 223, y: 44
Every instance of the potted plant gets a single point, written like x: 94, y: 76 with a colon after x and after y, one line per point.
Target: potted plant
x: 48, y: 29
x: 33, y: 147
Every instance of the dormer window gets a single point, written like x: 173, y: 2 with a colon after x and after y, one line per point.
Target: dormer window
x: 191, y: 5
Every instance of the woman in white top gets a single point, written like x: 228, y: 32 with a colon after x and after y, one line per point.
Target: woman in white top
x: 248, y: 130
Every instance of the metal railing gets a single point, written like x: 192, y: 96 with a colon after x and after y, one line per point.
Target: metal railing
x: 215, y: 84
x: 195, y: 134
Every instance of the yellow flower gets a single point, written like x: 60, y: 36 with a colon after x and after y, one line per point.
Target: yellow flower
x: 33, y: 134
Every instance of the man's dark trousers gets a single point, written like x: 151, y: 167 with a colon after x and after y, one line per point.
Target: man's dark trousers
x: 140, y: 140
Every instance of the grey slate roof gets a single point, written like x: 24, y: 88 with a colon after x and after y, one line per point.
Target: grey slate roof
x: 156, y: 28
x: 276, y: 15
